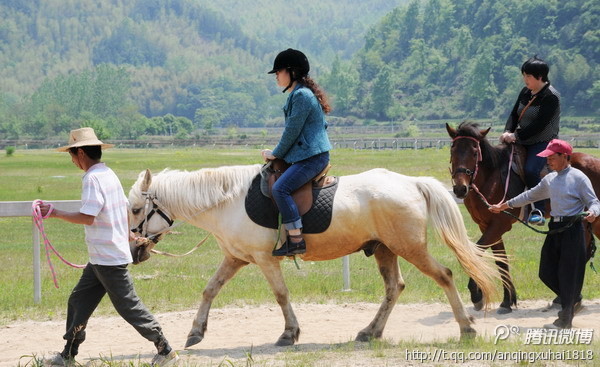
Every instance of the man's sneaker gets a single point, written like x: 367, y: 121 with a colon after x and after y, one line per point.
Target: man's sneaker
x: 537, y: 218
x: 59, y: 360
x: 166, y: 360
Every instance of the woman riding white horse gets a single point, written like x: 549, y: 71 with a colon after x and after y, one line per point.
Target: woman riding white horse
x: 381, y: 209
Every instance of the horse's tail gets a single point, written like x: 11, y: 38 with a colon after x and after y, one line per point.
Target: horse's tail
x: 447, y: 220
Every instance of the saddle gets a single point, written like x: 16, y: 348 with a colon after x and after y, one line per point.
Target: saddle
x: 518, y: 165
x: 303, y: 197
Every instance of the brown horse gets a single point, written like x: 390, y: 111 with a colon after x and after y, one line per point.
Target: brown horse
x: 479, y: 166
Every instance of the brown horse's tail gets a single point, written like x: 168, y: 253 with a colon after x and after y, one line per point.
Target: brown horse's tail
x: 447, y: 220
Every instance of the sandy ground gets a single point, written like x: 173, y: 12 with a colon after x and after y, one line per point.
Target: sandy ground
x: 235, y: 332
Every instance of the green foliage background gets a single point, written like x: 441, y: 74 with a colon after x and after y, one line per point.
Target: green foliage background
x: 440, y: 58
x: 184, y: 67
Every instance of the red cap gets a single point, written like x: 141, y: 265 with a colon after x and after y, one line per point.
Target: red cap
x: 556, y: 146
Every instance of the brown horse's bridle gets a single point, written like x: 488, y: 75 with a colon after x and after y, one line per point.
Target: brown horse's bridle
x: 471, y: 173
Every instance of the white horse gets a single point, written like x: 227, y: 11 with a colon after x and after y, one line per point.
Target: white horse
x: 381, y: 209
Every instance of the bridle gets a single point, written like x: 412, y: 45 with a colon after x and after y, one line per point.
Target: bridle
x: 471, y: 173
x: 152, y: 206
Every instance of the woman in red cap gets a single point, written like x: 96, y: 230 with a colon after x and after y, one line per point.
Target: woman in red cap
x: 562, y: 262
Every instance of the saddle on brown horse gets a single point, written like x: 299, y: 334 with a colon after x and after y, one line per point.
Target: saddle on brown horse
x: 303, y: 197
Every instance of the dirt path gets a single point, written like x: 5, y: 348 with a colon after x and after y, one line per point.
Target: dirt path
x: 233, y: 332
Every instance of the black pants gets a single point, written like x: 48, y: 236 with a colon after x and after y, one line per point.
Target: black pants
x: 562, y: 265
x: 95, y: 282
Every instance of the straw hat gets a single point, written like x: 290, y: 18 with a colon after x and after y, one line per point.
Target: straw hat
x: 83, y: 137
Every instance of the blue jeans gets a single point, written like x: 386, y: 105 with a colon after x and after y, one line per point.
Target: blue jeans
x: 292, y: 179
x: 533, y: 167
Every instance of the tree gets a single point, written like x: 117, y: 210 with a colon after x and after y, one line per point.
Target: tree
x: 382, y: 93
x: 481, y: 89
x: 129, y: 44
x: 207, y: 118
x: 341, y: 83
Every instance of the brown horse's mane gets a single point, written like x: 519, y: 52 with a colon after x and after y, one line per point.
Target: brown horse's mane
x: 492, y: 156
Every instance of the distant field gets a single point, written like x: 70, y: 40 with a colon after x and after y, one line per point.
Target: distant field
x: 167, y: 284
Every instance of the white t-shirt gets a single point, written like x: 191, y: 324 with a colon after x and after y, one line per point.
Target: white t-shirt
x: 107, y: 237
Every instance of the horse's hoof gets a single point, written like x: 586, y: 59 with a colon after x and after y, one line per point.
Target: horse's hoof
x: 478, y: 305
x: 192, y: 340
x: 284, y: 342
x: 363, y: 337
x: 289, y: 337
x: 467, y: 333
x: 503, y: 310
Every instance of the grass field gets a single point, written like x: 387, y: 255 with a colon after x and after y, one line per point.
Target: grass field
x: 167, y: 284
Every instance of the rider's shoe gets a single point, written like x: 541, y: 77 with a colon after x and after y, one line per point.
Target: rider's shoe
x: 290, y: 248
x: 537, y: 218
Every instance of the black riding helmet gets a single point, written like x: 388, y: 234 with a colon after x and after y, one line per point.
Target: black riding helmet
x: 294, y: 61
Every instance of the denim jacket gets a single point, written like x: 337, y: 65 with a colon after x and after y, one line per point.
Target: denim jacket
x: 304, y: 134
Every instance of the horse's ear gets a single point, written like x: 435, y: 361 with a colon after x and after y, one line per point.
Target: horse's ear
x: 147, y: 180
x: 485, y: 132
x: 451, y: 131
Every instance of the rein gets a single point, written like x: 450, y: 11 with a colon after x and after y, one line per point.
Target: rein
x: 182, y: 255
x: 554, y: 231
x: 38, y: 220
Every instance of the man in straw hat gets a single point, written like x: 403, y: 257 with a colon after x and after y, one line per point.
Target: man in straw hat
x: 562, y: 262
x: 104, y: 214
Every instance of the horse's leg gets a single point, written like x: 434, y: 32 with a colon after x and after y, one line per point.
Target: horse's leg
x: 272, y: 272
x: 492, y: 235
x: 394, y: 285
x: 229, y: 266
x: 510, y: 293
x: 443, y: 277
x: 474, y: 290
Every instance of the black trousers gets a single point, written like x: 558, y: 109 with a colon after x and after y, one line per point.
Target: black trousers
x: 95, y: 282
x: 562, y: 265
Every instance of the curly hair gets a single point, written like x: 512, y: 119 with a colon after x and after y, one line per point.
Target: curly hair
x: 318, y: 92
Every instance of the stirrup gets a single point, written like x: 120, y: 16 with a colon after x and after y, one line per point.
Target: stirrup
x: 290, y: 248
x: 536, y: 217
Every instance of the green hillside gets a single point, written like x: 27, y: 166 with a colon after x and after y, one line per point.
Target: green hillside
x: 202, y: 60
x: 181, y: 67
x: 438, y: 59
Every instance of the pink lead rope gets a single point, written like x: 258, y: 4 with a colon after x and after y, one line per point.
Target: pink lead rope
x: 38, y: 220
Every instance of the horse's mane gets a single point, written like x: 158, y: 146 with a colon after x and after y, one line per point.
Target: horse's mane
x: 491, y: 155
x: 190, y: 193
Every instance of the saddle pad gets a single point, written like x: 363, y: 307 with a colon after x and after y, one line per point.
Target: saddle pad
x: 263, y: 211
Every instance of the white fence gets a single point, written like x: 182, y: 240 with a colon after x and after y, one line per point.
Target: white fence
x: 23, y: 209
